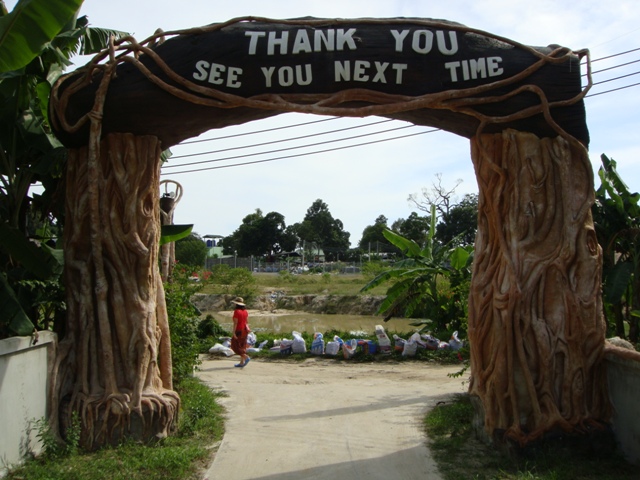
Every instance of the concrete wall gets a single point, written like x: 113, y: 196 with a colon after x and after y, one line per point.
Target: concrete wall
x: 623, y: 376
x: 24, y: 390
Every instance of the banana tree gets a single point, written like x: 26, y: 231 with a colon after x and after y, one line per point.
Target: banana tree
x: 37, y: 40
x: 428, y: 282
x: 617, y: 221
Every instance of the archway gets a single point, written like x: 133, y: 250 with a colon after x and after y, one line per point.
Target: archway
x: 536, y: 324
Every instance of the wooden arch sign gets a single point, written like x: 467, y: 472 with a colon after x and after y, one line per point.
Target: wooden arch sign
x: 535, y: 324
x: 428, y: 72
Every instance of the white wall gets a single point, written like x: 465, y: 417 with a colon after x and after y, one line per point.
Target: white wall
x: 24, y: 390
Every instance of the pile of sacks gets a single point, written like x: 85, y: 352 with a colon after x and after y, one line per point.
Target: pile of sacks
x: 408, y: 347
x: 224, y: 348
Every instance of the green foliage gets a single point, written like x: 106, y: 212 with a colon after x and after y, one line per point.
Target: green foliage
x: 432, y: 282
x: 414, y: 227
x: 374, y: 268
x: 51, y: 447
x: 321, y: 230
x: 209, y: 332
x: 233, y: 281
x: 30, y: 27
x: 183, y: 323
x: 616, y: 215
x: 459, y: 224
x: 173, y: 233
x: 260, y: 235
x: 37, y: 40
x: 200, y: 411
x: 191, y: 251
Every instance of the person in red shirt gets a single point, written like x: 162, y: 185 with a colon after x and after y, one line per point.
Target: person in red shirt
x: 240, y: 331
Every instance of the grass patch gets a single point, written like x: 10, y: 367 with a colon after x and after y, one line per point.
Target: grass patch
x: 460, y: 455
x: 179, y: 457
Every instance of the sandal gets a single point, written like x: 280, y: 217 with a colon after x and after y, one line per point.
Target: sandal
x: 245, y: 363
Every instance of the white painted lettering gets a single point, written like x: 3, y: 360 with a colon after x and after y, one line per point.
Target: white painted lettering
x: 494, y: 66
x: 301, y: 42
x: 380, y: 68
x: 422, y: 41
x: 465, y: 70
x: 201, y: 67
x: 215, y: 74
x: 478, y: 66
x: 327, y: 38
x: 300, y: 78
x: 399, y: 37
x: 342, y: 71
x: 285, y: 76
x: 253, y: 43
x: 475, y: 68
x: 452, y: 67
x: 232, y: 77
x: 268, y: 73
x: 275, y: 41
x: 442, y: 44
x: 399, y: 68
x: 345, y: 38
x: 359, y: 70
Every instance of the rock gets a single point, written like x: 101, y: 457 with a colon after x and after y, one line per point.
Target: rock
x: 620, y: 342
x: 326, y: 304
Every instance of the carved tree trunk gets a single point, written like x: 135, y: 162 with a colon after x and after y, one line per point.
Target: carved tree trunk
x: 535, y: 309
x: 114, y: 363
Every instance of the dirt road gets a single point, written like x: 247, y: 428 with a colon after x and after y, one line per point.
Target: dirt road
x: 323, y: 419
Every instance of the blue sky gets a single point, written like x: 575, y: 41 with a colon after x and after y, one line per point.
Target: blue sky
x: 359, y: 184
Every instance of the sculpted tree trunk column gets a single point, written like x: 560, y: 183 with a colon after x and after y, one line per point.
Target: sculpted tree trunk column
x: 535, y: 310
x: 114, y: 363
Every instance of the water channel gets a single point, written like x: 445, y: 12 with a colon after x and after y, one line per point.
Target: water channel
x: 284, y: 324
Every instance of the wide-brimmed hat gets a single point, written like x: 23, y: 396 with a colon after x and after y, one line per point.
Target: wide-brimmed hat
x: 238, y: 301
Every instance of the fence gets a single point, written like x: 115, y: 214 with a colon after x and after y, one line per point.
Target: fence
x: 256, y: 265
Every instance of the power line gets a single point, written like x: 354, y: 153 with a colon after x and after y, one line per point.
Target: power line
x: 279, y: 141
x: 290, y: 148
x: 612, y: 90
x: 305, y: 154
x: 616, y: 78
x: 614, y: 67
x: 260, y: 131
x: 615, y: 55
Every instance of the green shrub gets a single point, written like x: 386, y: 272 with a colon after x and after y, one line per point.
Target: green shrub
x: 183, y: 323
x: 209, y: 332
x: 234, y: 281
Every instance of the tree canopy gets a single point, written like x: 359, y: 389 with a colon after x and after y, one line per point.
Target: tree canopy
x: 260, y: 235
x: 191, y: 250
x: 321, y: 229
x: 460, y: 222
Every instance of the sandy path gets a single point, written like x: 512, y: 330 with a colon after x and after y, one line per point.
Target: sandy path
x: 323, y: 419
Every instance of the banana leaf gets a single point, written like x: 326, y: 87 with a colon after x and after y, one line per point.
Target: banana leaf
x: 29, y: 27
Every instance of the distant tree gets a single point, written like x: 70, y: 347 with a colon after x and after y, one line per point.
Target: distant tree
x: 191, y: 251
x: 260, y: 235
x: 373, y: 238
x: 439, y: 196
x: 414, y: 227
x: 460, y: 223
x: 321, y: 229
